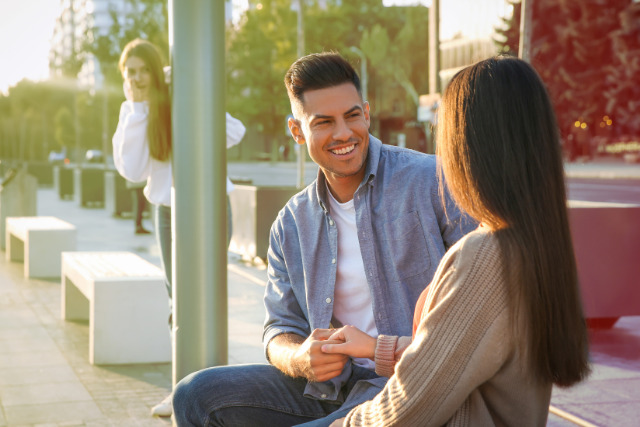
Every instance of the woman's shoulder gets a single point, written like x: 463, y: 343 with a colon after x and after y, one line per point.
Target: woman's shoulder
x: 479, y: 241
x: 477, y: 253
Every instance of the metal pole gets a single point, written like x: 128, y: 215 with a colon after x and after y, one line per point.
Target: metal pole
x: 363, y: 71
x: 524, y: 48
x: 196, y: 33
x: 434, y: 47
x: 302, y: 156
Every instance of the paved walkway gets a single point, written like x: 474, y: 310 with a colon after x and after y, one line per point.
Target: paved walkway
x: 46, y: 380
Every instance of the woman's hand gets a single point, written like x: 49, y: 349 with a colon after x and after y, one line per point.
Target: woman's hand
x: 134, y: 93
x: 355, y: 343
x: 338, y: 423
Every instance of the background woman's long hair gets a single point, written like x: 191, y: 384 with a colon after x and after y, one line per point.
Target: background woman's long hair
x: 159, y: 123
x: 499, y: 146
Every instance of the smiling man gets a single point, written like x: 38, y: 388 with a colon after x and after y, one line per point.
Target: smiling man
x: 357, y: 247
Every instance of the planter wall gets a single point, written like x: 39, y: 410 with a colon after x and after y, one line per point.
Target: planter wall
x: 63, y: 181
x: 89, y: 186
x: 254, y: 208
x: 18, y: 197
x: 606, y: 240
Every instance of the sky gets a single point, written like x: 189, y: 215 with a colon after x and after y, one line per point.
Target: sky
x: 26, y: 27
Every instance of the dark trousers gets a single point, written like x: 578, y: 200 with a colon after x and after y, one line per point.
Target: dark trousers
x: 139, y: 205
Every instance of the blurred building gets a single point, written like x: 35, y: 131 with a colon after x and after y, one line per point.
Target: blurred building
x: 467, y: 32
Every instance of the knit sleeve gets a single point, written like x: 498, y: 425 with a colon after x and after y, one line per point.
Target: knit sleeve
x: 461, y: 342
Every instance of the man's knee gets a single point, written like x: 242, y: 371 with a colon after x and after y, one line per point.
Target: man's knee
x: 194, y: 394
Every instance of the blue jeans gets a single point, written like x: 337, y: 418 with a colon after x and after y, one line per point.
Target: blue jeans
x: 163, y: 235
x: 257, y: 395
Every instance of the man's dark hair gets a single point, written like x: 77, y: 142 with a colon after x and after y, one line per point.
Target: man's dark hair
x: 319, y: 71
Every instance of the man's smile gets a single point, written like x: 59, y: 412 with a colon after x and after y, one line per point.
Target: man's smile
x: 344, y: 150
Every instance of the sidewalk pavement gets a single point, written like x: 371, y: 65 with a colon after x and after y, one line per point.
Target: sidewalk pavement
x: 46, y: 379
x: 604, y: 168
x: 45, y: 376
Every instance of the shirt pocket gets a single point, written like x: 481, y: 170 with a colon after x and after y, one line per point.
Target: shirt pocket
x: 405, y: 246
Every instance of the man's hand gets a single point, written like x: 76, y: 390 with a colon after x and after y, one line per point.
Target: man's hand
x: 298, y: 357
x: 352, y: 342
x: 338, y: 423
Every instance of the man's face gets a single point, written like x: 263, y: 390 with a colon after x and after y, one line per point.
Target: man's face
x: 334, y: 123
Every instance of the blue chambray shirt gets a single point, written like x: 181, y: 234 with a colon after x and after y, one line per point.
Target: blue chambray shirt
x: 403, y: 233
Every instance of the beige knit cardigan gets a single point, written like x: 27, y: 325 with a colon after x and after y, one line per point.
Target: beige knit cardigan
x: 462, y: 368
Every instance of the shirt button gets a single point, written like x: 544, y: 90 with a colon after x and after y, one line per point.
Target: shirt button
x: 333, y: 261
x: 323, y: 395
x: 330, y: 222
x: 328, y: 300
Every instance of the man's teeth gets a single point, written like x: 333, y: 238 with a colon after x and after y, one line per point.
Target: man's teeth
x: 344, y: 150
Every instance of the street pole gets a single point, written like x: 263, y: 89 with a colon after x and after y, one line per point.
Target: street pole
x: 196, y: 34
x: 434, y: 47
x: 524, y: 48
x: 363, y: 71
x: 302, y: 156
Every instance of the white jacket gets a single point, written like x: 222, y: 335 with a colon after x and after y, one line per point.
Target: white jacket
x: 131, y: 152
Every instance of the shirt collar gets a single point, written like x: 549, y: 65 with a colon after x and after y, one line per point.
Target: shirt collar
x: 371, y: 167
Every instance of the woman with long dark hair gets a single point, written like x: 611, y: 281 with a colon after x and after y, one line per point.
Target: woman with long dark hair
x: 502, y: 320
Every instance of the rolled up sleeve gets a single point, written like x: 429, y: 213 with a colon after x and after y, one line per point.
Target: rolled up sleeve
x: 284, y: 314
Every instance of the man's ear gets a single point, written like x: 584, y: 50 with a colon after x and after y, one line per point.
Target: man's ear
x: 296, y: 130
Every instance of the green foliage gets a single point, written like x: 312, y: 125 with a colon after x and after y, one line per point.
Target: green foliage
x: 508, y: 35
x: 147, y: 19
x: 264, y: 44
x: 64, y: 128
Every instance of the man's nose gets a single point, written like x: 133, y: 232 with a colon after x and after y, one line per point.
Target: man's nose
x: 341, y: 130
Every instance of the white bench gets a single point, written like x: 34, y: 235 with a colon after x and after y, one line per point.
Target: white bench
x: 125, y: 299
x: 39, y: 241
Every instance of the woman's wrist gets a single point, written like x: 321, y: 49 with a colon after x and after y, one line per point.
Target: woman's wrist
x: 385, y: 355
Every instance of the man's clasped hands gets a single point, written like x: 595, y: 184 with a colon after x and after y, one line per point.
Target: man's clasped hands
x: 326, y: 351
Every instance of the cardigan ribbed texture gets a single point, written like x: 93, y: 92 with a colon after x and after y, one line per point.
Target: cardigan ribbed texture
x: 463, y: 367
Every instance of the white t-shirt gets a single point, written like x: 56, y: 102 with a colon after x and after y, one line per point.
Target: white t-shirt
x: 352, y: 298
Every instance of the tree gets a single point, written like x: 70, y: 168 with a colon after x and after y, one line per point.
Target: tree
x: 147, y: 19
x: 508, y: 35
x: 64, y: 128
x: 623, y: 76
x: 571, y: 50
x: 263, y: 45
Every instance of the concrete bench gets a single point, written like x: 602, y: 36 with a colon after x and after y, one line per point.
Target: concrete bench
x: 39, y: 241
x: 125, y: 300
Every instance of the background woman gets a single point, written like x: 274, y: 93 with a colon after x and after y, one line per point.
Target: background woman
x: 142, y: 145
x: 142, y: 142
x: 502, y: 321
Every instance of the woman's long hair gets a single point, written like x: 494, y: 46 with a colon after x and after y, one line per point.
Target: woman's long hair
x: 498, y: 142
x: 159, y: 122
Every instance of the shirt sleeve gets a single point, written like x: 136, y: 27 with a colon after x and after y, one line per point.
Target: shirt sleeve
x: 454, y: 224
x: 284, y: 314
x: 235, y: 131
x: 461, y: 342
x: 130, y: 146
